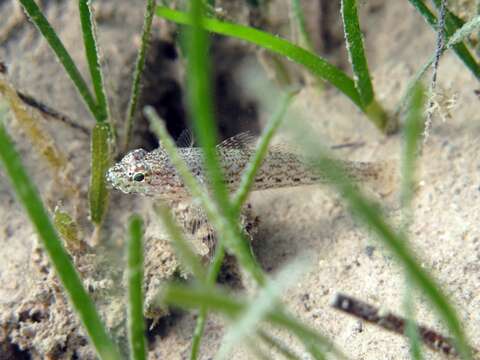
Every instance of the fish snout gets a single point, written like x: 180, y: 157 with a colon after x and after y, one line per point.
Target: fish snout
x: 113, y: 176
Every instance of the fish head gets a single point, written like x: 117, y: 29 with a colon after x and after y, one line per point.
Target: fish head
x: 131, y: 174
x: 145, y: 173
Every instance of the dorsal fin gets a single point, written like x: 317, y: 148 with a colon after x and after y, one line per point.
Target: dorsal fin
x: 245, y: 140
x: 186, y: 139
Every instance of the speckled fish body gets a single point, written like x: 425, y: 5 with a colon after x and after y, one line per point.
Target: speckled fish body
x: 152, y: 174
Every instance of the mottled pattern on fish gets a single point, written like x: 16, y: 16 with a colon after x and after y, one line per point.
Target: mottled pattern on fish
x: 151, y: 173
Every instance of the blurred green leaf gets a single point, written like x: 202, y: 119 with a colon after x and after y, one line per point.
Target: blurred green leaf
x: 100, y: 150
x: 411, y: 147
x: 278, y: 345
x: 256, y: 311
x: 136, y: 321
x: 183, y: 248
x: 248, y: 175
x: 91, y: 51
x: 67, y: 228
x: 137, y: 74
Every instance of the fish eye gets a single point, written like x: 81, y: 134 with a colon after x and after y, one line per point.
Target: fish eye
x: 138, y: 177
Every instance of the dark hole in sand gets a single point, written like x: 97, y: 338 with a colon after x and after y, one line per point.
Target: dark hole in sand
x: 161, y: 328
x: 9, y: 351
x: 163, y: 88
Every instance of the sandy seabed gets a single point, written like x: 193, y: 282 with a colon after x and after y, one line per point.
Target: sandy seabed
x: 345, y: 257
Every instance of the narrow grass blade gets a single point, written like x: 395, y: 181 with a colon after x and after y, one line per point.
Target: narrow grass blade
x: 311, y: 339
x: 412, y: 132
x: 200, y: 99
x: 299, y: 16
x: 217, y: 301
x: 278, y: 345
x: 186, y: 254
x: 191, y: 297
x: 424, y: 11
x: 201, y: 103
x: 198, y: 333
x: 98, y: 195
x: 137, y: 74
x: 312, y: 62
x: 91, y: 51
x: 254, y: 164
x: 67, y: 228
x: 356, y: 51
x: 460, y: 49
x: 226, y: 226
x: 411, y: 329
x: 36, y: 15
x: 213, y: 271
x: 302, y: 36
x: 136, y: 321
x: 363, y: 83
x: 28, y: 196
x: 254, y: 349
x: 196, y: 190
x: 256, y: 311
x: 369, y: 214
x: 316, y: 352
x: 464, y: 32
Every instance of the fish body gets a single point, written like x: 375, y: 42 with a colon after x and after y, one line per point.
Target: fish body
x: 152, y: 173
